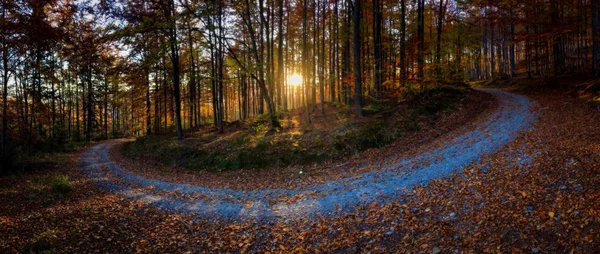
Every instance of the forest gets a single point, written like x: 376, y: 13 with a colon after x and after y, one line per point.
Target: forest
x: 300, y: 126
x: 82, y: 71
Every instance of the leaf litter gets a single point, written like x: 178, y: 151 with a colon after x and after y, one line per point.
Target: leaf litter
x: 536, y: 192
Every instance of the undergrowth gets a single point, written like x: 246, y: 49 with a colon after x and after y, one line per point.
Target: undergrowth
x: 45, y: 242
x: 22, y: 158
x: 60, y: 185
x: 253, y: 146
x: 591, y: 93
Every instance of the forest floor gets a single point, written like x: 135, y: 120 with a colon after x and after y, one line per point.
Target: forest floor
x: 536, y: 190
x: 298, y: 195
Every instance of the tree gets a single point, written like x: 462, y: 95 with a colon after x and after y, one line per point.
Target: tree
x: 280, y: 70
x: 596, y: 36
x: 322, y: 61
x: 346, y: 53
x: 403, y: 42
x: 305, y: 75
x: 259, y: 64
x: 357, y: 70
x: 64, y: 75
x: 377, y: 46
x: 421, y: 37
x: 333, y: 51
x: 5, y: 77
x: 172, y: 34
x: 193, y: 116
x: 438, y: 49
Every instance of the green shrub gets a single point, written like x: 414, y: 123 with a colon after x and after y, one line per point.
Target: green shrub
x: 439, y: 98
x: 373, y: 108
x: 257, y: 125
x: 262, y: 144
x: 373, y: 136
x: 338, y: 104
x: 60, y: 185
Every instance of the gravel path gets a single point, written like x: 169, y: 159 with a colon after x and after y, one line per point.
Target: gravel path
x: 330, y: 198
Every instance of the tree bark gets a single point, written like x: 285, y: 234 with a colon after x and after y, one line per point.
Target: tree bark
x: 322, y: 60
x: 280, y: 70
x: 403, y: 68
x: 305, y: 75
x: 438, y: 49
x: 596, y: 36
x: 90, y: 106
x: 148, y: 105
x: 512, y: 47
x: 193, y: 117
x: 4, y: 85
x: 333, y: 51
x: 175, y: 61
x: 421, y: 37
x: 357, y: 70
x: 377, y: 47
x: 346, y: 55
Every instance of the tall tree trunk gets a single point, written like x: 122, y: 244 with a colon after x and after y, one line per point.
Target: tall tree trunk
x: 421, y: 37
x: 333, y: 51
x: 213, y: 71
x: 148, y: 106
x: 156, y: 105
x: 356, y: 17
x: 315, y: 45
x: 90, y: 106
x: 280, y: 70
x: 265, y: 30
x: 403, y: 68
x: 106, y: 106
x: 77, y: 127
x: 322, y: 60
x: 175, y: 61
x: 512, y: 46
x: 459, y: 47
x: 438, y: 49
x: 4, y: 86
x: 556, y: 38
x: 492, y: 57
x: 53, y: 110
x: 377, y: 47
x: 220, y: 66
x: 305, y: 75
x: 484, y: 43
x: 193, y: 117
x: 346, y: 55
x: 165, y: 87
x: 596, y: 36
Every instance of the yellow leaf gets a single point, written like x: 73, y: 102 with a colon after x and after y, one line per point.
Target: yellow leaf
x: 551, y: 214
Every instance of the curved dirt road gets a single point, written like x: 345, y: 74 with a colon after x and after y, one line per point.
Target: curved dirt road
x: 512, y: 116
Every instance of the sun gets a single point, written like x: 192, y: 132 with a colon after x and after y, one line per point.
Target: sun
x: 294, y: 80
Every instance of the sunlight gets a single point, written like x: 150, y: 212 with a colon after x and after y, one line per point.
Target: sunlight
x: 294, y: 80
